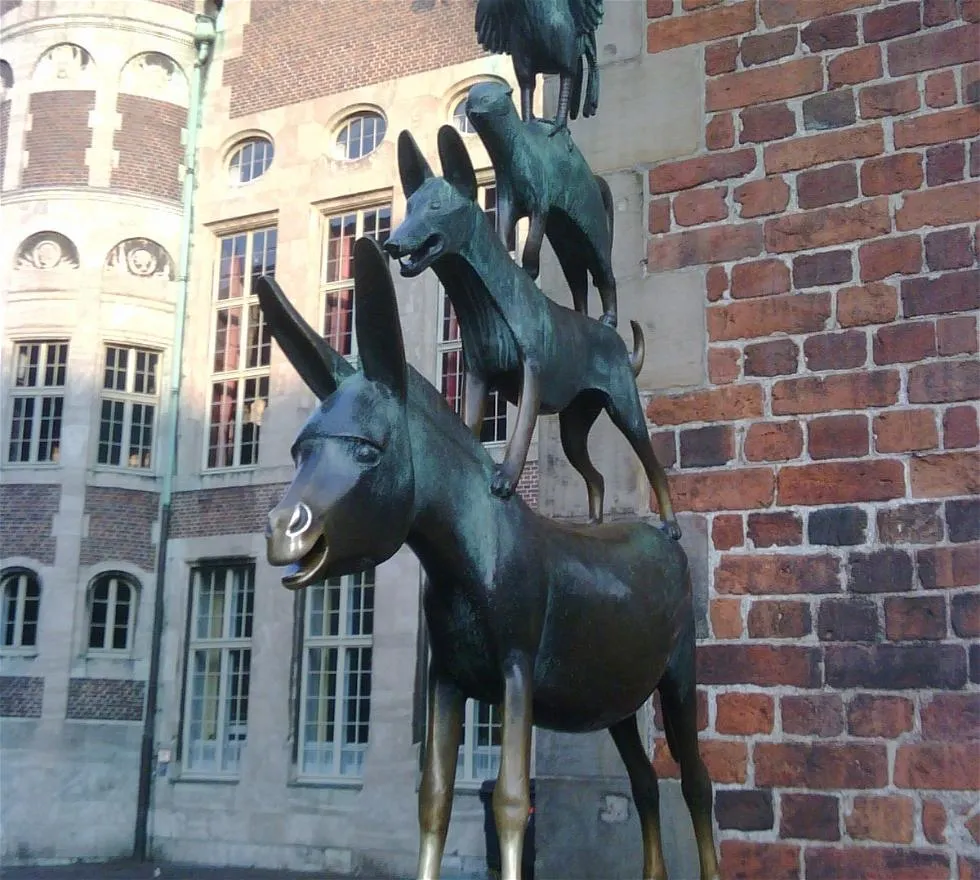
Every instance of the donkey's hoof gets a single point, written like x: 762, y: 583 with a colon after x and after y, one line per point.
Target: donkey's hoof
x: 672, y: 529
x: 501, y: 485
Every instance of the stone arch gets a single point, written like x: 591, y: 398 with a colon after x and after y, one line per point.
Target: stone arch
x: 155, y: 75
x: 6, y: 75
x: 64, y: 66
x: 141, y: 257
x: 47, y: 250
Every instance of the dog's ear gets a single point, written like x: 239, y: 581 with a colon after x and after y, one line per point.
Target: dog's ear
x: 319, y: 366
x: 412, y: 167
x: 456, y: 165
x: 379, y: 331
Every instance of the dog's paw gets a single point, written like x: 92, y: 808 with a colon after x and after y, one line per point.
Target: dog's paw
x: 501, y: 484
x: 609, y: 319
x: 672, y: 530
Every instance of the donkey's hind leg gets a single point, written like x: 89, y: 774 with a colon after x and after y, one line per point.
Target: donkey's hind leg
x: 646, y: 794
x: 575, y: 422
x: 678, y: 698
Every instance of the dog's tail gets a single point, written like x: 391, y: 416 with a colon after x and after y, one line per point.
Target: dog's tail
x: 639, y: 349
x: 607, y: 202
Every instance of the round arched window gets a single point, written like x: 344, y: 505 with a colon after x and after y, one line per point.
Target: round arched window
x: 360, y: 135
x: 250, y: 159
x: 461, y: 121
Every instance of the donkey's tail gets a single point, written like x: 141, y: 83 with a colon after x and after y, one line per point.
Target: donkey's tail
x: 607, y: 202
x: 639, y: 349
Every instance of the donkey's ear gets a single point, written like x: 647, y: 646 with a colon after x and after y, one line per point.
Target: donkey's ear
x: 412, y: 167
x: 379, y: 331
x: 319, y: 366
x: 457, y: 167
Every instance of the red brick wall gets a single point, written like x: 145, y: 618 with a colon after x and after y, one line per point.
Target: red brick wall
x: 527, y: 485
x: 120, y: 526
x: 238, y: 510
x: 344, y: 44
x: 150, y: 151
x: 4, y: 131
x: 26, y: 519
x: 834, y: 447
x: 185, y: 5
x: 58, y: 139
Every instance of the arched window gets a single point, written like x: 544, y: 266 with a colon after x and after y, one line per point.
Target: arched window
x: 111, y: 614
x: 461, y: 121
x: 21, y: 603
x: 360, y: 135
x: 250, y: 159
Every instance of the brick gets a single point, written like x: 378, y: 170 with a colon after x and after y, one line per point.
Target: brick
x: 964, y: 615
x: 725, y: 761
x: 945, y: 164
x: 778, y: 619
x: 952, y: 292
x: 857, y: 66
x: 690, y: 5
x: 778, y: 357
x: 763, y: 48
x: 910, y: 524
x: 941, y: 89
x: 701, y: 246
x: 970, y: 10
x: 772, y: 83
x: 727, y: 532
x: 828, y: 863
x: 871, y: 304
x: 763, y: 665
x: 707, y: 447
x: 934, y: 822
x: 835, y: 32
x: 809, y: 816
x: 726, y: 618
x: 659, y: 219
x: 877, y: 715
x: 915, y: 618
x: 889, y: 99
x: 951, y: 717
x: 664, y: 446
x: 777, y: 574
x: 758, y: 198
x: 719, y: 404
x: 957, y: 335
x: 744, y: 810
x: 770, y: 122
x: 895, y: 667
x: 949, y: 249
x: 700, y: 206
x: 719, y: 133
x: 837, y: 437
x: 880, y: 571
x: 904, y: 343
x: 896, y: 20
x: 709, y: 491
x: 699, y: 27
x: 776, y: 13
x: 837, y: 526
x: 885, y: 819
x: 723, y: 365
x: 936, y: 12
x: 947, y: 766
x: 960, y: 428
x: 833, y: 109
x: 931, y: 50
x: 822, y: 269
x: 937, y: 128
x: 827, y: 186
x: 819, y: 149
x: 780, y: 529
x: 828, y: 226
x: 813, y: 715
x: 945, y: 568
x: 944, y: 382
x: 744, y: 714
x: 796, y: 313
x: 773, y: 441
x: 891, y: 174
x: 942, y: 206
x: 688, y: 173
x: 905, y: 430
x: 963, y: 520
x: 847, y: 620
x: 720, y: 57
x: 813, y: 394
x: 716, y: 282
x: 841, y: 482
x: 890, y: 256
x: 702, y: 710
x: 821, y: 766
x: 745, y: 860
x: 759, y: 278
x: 836, y: 351
x: 974, y: 655
x: 659, y: 8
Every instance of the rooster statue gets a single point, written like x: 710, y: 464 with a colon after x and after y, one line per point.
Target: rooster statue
x: 546, y: 36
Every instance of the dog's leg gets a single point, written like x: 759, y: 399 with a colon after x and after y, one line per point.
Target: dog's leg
x: 512, y: 794
x: 575, y: 422
x: 474, y: 402
x: 531, y: 261
x: 439, y: 774
x: 508, y: 473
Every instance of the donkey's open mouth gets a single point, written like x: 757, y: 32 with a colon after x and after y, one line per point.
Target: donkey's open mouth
x: 309, y: 569
x: 415, y: 262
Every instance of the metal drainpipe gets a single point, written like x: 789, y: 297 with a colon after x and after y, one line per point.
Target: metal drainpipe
x: 204, y: 35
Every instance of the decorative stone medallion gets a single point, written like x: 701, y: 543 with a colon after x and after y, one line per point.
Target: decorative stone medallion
x: 141, y: 257
x: 155, y: 75
x: 47, y: 250
x: 63, y: 66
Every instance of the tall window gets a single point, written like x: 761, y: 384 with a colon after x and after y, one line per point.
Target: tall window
x: 337, y: 278
x: 241, y: 344
x: 21, y: 604
x: 479, y: 752
x: 128, y: 406
x: 111, y: 614
x: 335, y: 707
x: 219, y: 656
x: 39, y: 371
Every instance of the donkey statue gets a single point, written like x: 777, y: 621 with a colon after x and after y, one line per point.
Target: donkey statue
x: 569, y: 627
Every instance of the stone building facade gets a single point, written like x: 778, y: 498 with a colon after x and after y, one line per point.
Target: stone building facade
x: 796, y: 199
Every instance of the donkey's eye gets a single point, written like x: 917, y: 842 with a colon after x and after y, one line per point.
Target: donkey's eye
x: 367, y: 453
x: 436, y: 205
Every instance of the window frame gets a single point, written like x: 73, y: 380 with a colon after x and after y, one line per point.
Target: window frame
x: 130, y: 398
x: 38, y: 392
x: 26, y: 578
x: 253, y: 140
x: 342, y: 152
x: 466, y: 777
x: 457, y: 111
x: 115, y: 579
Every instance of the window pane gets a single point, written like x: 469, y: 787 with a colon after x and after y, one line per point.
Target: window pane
x: 227, y: 339
x: 231, y: 267
x: 320, y: 694
x: 57, y: 364
x: 460, y: 120
x: 494, y: 428
x: 203, y: 697
x: 254, y: 406
x: 338, y: 320
x: 259, y: 339
x: 11, y: 594
x: 451, y: 379
x: 263, y: 254
x: 221, y: 436
x: 236, y: 710
x: 110, y: 431
x: 21, y: 428
x: 49, y: 433
x: 141, y: 436
x: 28, y: 358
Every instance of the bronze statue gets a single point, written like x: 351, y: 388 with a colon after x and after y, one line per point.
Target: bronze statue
x: 546, y: 36
x: 571, y: 626
x: 550, y: 182
x: 540, y: 355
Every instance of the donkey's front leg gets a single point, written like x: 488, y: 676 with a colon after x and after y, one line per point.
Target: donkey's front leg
x: 439, y: 774
x: 509, y: 472
x: 512, y: 795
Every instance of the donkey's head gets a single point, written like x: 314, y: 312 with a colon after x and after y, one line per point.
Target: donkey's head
x: 350, y: 504
x: 440, y: 210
